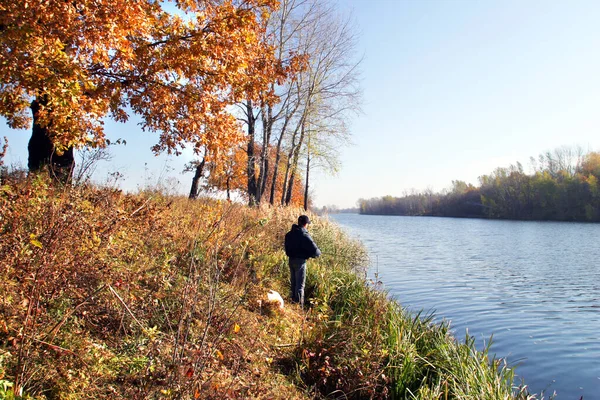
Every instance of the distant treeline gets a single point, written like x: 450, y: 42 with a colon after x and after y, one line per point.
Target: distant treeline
x: 563, y: 186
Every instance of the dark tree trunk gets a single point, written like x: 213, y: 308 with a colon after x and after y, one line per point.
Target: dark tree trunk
x: 267, y: 118
x: 274, y: 179
x: 294, y: 167
x: 251, y: 169
x: 290, y: 186
x: 276, y: 167
x: 263, y: 184
x: 196, y: 179
x: 286, y: 177
x: 307, y: 177
x: 42, y: 151
x: 228, y: 183
x: 278, y: 158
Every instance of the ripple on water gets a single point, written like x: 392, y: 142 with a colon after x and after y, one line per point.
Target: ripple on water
x: 532, y: 285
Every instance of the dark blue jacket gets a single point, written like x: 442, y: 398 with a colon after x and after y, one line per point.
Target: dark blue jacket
x: 299, y: 244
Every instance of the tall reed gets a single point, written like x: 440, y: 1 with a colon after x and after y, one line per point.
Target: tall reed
x: 365, y: 345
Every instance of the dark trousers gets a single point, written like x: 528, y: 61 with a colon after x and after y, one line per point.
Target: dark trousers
x: 297, y: 279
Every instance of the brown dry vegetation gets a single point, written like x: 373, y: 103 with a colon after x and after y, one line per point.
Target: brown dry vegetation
x: 139, y: 296
x: 110, y: 295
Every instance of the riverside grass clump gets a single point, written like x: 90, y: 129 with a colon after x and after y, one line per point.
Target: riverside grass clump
x: 148, y: 296
x: 364, y: 345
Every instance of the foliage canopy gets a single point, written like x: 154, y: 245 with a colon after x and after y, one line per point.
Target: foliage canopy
x: 88, y: 60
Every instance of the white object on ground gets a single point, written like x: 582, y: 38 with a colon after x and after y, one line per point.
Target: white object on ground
x: 275, y: 297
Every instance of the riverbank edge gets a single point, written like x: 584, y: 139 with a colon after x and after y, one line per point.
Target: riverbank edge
x: 153, y: 296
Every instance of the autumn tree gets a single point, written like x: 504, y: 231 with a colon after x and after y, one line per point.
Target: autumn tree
x: 591, y: 164
x: 229, y: 174
x: 262, y: 118
x: 68, y: 65
x: 274, y: 181
x: 311, y: 101
x: 328, y: 93
x: 3, y: 152
x: 197, y: 167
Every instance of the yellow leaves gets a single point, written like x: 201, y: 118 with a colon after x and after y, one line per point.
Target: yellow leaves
x: 219, y: 355
x: 101, y: 58
x: 236, y: 328
x: 33, y: 240
x: 592, y: 181
x: 265, y: 15
x: 6, y: 189
x: 152, y: 333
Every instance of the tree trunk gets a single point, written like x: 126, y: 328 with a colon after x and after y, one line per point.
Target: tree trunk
x: 276, y: 167
x: 294, y: 167
x: 196, y: 179
x: 278, y: 158
x: 307, y: 176
x: 286, y: 178
x: 264, y: 162
x: 42, y: 151
x: 251, y: 169
x: 228, y: 186
x: 290, y: 186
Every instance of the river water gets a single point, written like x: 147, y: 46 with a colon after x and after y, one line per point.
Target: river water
x: 534, y: 286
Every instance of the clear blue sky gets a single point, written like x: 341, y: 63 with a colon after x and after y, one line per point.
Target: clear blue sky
x: 452, y: 89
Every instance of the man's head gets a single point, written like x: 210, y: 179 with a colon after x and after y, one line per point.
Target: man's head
x: 303, y: 221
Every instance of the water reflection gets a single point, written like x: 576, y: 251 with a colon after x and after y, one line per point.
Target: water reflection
x: 533, y: 285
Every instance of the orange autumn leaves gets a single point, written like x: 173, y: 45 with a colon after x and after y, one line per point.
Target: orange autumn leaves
x: 230, y: 174
x: 180, y: 71
x: 56, y: 49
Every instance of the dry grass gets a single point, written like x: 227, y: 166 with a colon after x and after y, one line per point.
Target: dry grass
x: 108, y: 295
x: 138, y: 296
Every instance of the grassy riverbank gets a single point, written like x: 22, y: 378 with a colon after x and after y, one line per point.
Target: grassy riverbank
x: 106, y: 295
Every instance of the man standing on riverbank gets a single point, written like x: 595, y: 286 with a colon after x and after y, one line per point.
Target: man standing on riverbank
x: 299, y: 247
